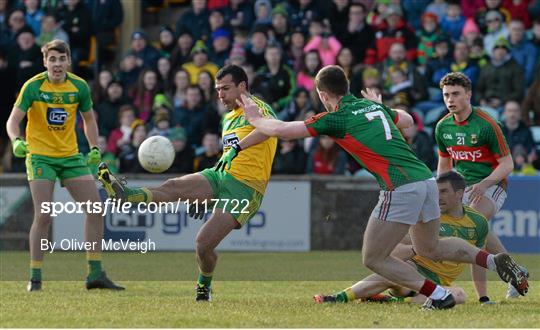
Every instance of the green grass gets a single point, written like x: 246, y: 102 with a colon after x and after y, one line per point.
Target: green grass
x: 250, y: 290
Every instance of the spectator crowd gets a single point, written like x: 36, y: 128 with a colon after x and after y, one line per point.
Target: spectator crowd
x: 164, y: 84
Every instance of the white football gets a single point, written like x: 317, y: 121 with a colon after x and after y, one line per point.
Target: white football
x: 156, y: 154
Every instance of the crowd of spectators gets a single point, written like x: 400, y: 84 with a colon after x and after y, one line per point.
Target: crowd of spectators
x: 163, y: 84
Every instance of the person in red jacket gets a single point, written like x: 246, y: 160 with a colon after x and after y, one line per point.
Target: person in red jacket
x: 395, y: 30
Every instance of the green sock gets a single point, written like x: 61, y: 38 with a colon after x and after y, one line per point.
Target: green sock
x: 204, y: 280
x: 94, y: 265
x: 139, y: 195
x: 35, y: 270
x: 342, y: 297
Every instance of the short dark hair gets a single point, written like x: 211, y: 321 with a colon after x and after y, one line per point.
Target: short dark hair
x: 456, y: 79
x: 237, y: 73
x: 332, y: 79
x: 59, y: 45
x: 455, y: 179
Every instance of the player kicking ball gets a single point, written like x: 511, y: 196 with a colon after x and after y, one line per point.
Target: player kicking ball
x: 472, y: 141
x: 232, y: 187
x: 457, y: 220
x: 408, y: 201
x: 51, y: 99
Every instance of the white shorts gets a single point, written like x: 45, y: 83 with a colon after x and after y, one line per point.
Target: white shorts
x: 496, y: 194
x: 410, y: 203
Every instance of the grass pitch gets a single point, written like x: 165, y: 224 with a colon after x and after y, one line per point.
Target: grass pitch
x: 250, y: 290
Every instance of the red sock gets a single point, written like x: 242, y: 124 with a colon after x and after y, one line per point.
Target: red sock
x: 481, y: 258
x: 428, y: 288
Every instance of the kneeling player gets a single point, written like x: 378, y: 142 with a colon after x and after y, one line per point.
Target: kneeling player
x: 456, y: 220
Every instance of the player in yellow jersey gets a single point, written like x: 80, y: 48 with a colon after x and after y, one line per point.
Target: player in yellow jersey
x: 51, y: 100
x: 239, y: 190
x: 457, y: 220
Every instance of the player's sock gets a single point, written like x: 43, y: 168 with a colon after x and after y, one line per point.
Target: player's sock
x: 205, y: 279
x: 438, y: 293
x: 35, y: 269
x: 139, y: 195
x: 428, y: 288
x: 345, y: 295
x: 94, y: 265
x: 485, y: 260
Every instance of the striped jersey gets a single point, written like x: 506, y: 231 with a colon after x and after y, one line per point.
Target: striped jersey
x: 52, y: 113
x: 253, y: 165
x: 472, y: 227
x: 367, y: 131
x: 474, y: 144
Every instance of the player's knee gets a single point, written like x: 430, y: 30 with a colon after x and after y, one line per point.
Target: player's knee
x: 459, y: 295
x: 371, y: 261
x: 203, y: 246
x: 169, y: 185
x: 42, y: 219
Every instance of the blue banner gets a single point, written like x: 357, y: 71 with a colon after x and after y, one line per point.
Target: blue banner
x: 517, y: 224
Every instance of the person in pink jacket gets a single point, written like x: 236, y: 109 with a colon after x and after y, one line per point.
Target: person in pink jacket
x: 311, y: 64
x: 327, y: 45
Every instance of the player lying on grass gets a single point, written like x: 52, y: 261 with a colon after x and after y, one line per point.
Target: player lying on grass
x: 472, y: 141
x: 52, y: 99
x: 408, y: 200
x: 457, y: 220
x: 231, y: 186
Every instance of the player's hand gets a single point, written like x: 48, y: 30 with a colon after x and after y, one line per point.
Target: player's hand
x: 371, y: 95
x: 94, y: 156
x: 227, y: 158
x: 20, y: 147
x: 476, y: 191
x: 251, y: 110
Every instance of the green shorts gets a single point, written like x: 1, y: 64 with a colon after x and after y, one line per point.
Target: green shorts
x: 235, y: 197
x: 49, y: 168
x: 428, y: 274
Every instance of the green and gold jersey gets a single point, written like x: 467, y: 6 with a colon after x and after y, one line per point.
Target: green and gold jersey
x: 474, y: 144
x: 253, y: 165
x: 367, y: 131
x: 472, y: 227
x: 52, y: 113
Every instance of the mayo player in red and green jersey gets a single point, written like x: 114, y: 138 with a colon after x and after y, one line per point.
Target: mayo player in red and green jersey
x: 368, y: 131
x: 52, y: 100
x: 472, y: 141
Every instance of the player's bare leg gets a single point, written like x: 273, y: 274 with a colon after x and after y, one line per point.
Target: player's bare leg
x: 188, y: 188
x: 370, y: 288
x: 82, y: 189
x: 208, y: 238
x: 42, y: 191
x: 426, y: 243
x: 493, y: 245
x: 380, y: 239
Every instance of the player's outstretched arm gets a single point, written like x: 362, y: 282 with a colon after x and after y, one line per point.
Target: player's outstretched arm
x: 269, y: 126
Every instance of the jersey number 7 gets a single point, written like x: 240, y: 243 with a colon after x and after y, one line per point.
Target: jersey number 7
x: 372, y: 115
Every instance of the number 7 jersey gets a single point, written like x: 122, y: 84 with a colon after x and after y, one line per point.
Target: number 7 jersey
x: 367, y: 131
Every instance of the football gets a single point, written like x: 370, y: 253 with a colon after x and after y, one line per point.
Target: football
x: 156, y: 154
